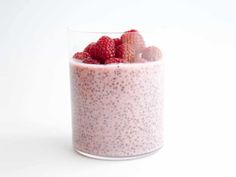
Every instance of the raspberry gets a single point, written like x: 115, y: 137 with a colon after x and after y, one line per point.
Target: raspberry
x: 125, y: 51
x: 89, y: 47
x: 117, y: 41
x: 135, y: 38
x: 115, y: 60
x: 105, y: 49
x: 151, y: 53
x: 90, y: 61
x: 81, y: 55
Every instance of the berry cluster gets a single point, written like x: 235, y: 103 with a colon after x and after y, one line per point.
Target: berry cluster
x: 129, y: 48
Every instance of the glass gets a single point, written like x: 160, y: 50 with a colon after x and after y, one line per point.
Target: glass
x: 116, y: 109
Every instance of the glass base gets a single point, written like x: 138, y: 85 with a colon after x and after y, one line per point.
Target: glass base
x: 117, y: 158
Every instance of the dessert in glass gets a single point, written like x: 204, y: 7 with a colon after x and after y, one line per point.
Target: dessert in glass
x: 117, y: 95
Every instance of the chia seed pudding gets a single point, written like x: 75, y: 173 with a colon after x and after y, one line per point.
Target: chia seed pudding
x: 117, y: 108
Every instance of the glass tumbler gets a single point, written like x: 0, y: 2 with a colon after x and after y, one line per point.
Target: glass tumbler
x: 116, y: 108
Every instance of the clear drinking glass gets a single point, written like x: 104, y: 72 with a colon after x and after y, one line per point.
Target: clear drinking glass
x: 116, y: 109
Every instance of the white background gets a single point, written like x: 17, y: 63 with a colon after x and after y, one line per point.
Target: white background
x: 199, y: 46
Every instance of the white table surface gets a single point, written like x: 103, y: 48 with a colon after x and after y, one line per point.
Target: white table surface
x: 35, y: 122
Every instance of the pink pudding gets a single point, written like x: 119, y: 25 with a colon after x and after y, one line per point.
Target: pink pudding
x: 117, y: 108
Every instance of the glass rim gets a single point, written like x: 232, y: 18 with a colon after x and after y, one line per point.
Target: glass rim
x: 118, y: 31
x: 95, y: 32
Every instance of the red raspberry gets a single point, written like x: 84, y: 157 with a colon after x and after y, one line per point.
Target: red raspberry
x: 115, y: 60
x: 125, y: 51
x: 89, y: 47
x: 90, y: 61
x: 151, y: 53
x: 133, y: 37
x: 105, y: 49
x: 81, y: 55
x: 117, y: 41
